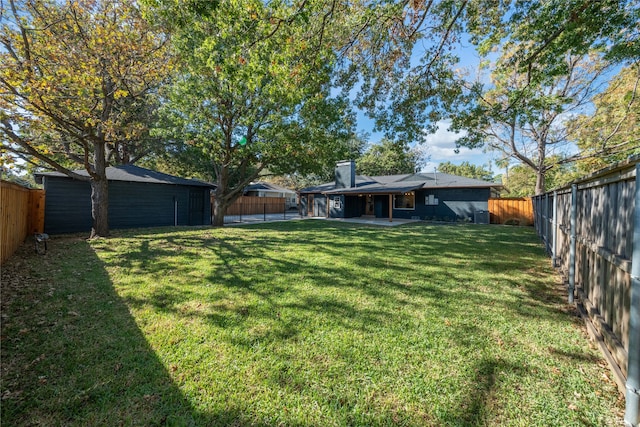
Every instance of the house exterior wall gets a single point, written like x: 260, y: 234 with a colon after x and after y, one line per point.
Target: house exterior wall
x: 131, y: 204
x: 336, y: 206
x: 452, y: 204
x: 303, y: 205
x: 320, y: 205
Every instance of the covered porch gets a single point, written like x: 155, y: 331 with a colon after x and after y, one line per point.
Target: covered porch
x: 373, y: 202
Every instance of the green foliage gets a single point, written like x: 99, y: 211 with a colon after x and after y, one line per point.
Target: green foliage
x: 542, y: 75
x: 404, y: 97
x: 388, y: 158
x: 610, y: 133
x: 407, y: 53
x: 411, y: 75
x: 520, y: 180
x: 526, y: 122
x: 77, y: 78
x: 77, y: 87
x: 323, y: 174
x: 539, y: 35
x: 466, y: 169
x: 254, y: 91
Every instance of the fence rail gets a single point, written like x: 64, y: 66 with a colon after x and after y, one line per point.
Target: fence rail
x: 253, y: 208
x: 588, y: 229
x: 22, y: 213
x: 513, y: 211
x: 252, y: 205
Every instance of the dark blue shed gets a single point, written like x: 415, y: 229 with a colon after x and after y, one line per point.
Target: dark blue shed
x: 138, y: 197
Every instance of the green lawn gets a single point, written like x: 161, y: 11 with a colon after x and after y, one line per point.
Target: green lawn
x: 304, y: 323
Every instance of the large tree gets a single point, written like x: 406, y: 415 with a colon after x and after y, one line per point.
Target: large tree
x: 388, y: 158
x: 408, y: 52
x: 76, y: 82
x: 519, y: 180
x: 525, y: 122
x: 610, y: 132
x: 466, y: 169
x: 254, y: 90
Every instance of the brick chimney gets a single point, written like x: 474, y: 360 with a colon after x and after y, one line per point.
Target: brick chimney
x: 346, y: 174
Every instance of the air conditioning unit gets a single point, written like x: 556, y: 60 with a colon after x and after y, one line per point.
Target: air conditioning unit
x: 481, y: 217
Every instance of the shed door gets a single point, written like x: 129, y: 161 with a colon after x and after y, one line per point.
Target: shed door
x: 196, y: 207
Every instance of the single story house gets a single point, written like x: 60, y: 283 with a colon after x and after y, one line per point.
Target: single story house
x: 425, y: 196
x: 268, y: 189
x: 138, y: 197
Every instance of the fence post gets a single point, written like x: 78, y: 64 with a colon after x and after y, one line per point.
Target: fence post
x: 631, y: 415
x: 264, y: 211
x: 534, y: 205
x: 572, y: 248
x: 554, y: 231
x: 546, y: 223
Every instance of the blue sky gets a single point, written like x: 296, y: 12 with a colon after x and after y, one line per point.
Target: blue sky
x: 440, y: 146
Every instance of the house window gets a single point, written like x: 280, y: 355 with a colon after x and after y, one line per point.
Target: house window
x: 430, y: 200
x: 406, y: 201
x: 336, y: 203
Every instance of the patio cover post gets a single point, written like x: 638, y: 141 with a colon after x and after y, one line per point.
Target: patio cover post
x: 390, y: 207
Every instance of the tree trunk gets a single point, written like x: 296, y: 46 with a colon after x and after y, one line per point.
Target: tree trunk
x: 99, y: 193
x: 540, y: 182
x: 99, y: 207
x: 541, y: 170
x: 219, y: 210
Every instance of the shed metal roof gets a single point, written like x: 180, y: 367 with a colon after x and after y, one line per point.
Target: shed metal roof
x: 132, y: 173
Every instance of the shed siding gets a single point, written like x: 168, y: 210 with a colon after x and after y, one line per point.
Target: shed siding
x: 131, y: 204
x: 146, y: 205
x: 67, y: 206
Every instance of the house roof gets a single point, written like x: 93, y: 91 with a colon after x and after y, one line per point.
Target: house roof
x: 445, y: 180
x: 401, y: 183
x: 395, y: 188
x: 267, y: 186
x: 131, y: 173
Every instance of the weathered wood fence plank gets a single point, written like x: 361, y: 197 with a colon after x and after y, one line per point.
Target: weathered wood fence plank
x: 506, y: 210
x: 605, y: 217
x: 21, y: 214
x: 252, y: 205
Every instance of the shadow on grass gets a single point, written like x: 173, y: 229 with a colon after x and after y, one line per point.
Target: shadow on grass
x: 473, y: 409
x: 367, y: 247
x: 246, y: 267
x: 73, y: 355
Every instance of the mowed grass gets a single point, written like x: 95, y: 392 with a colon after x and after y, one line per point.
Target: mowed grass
x: 304, y: 323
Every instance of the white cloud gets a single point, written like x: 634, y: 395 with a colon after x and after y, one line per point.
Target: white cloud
x: 441, y: 147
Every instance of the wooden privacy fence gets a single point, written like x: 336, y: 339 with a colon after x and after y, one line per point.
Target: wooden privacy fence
x: 22, y: 213
x: 513, y: 211
x: 589, y: 228
x: 252, y: 205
